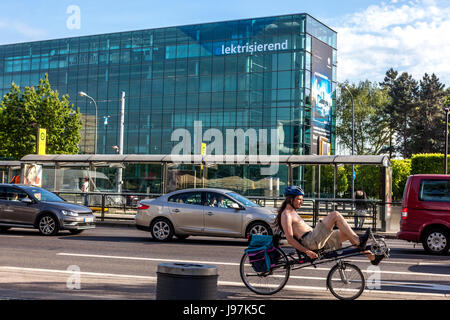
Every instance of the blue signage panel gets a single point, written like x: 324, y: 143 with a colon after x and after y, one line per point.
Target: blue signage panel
x: 321, y: 94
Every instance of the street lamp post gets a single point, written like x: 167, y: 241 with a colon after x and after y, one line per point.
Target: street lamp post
x: 83, y: 94
x: 353, y: 141
x: 446, y: 139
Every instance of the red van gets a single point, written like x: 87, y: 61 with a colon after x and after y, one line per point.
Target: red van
x: 426, y: 212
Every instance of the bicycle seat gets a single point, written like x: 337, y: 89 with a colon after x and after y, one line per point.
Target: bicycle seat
x: 276, y: 239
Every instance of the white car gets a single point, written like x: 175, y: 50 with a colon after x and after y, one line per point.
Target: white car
x: 205, y: 212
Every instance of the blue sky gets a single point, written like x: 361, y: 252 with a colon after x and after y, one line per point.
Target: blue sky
x: 408, y: 35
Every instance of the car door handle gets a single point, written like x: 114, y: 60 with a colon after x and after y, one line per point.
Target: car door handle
x: 210, y: 213
x: 176, y: 210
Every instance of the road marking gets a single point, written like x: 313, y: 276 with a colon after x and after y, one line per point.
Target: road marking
x: 414, y: 285
x: 146, y: 259
x: 369, y: 291
x: 7, y: 236
x: 8, y: 268
x: 401, y: 284
x: 231, y: 263
x: 410, y: 273
x: 366, y: 291
x: 411, y: 262
x: 419, y: 256
x: 230, y: 283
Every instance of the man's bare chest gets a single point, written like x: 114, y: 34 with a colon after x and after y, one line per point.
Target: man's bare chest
x: 300, y: 224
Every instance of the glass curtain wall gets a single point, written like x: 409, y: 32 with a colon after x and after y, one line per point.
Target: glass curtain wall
x: 251, y: 74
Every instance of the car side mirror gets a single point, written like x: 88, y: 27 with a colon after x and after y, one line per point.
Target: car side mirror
x: 27, y: 200
x: 236, y: 206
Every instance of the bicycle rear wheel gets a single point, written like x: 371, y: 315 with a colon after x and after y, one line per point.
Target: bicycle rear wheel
x: 265, y: 283
x: 346, y: 281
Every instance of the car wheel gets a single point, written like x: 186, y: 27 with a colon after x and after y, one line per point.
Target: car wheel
x: 161, y: 230
x: 259, y: 228
x: 48, y: 225
x: 436, y: 241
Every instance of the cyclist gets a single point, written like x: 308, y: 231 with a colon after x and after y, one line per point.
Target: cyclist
x: 306, y: 239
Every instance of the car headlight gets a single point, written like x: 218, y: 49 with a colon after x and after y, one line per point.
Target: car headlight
x: 69, y: 213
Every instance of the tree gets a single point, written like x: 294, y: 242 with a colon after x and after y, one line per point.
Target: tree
x: 428, y: 123
x: 371, y: 127
x: 390, y: 111
x: 416, y: 114
x: 327, y: 180
x: 403, y: 91
x: 405, y: 101
x: 21, y: 113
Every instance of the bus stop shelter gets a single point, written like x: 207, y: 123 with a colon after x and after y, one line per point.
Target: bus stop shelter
x: 166, y: 161
x: 166, y: 165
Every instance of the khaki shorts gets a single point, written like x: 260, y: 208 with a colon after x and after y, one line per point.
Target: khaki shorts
x: 322, y: 237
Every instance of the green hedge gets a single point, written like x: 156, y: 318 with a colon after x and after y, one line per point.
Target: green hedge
x: 368, y: 177
x: 401, y: 170
x: 427, y: 163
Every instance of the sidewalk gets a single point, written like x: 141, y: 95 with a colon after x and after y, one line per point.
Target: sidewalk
x: 127, y: 220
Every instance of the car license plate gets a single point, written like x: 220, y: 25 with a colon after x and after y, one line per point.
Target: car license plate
x: 88, y: 219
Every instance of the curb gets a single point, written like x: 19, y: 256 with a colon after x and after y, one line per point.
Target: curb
x: 388, y: 235
x: 118, y: 223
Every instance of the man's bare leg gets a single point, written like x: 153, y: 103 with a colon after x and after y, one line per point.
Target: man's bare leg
x: 345, y: 231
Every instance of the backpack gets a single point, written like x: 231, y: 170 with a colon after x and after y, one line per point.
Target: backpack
x: 359, y: 203
x: 262, y: 253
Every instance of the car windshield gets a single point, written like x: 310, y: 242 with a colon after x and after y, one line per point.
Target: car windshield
x: 44, y: 195
x: 246, y: 202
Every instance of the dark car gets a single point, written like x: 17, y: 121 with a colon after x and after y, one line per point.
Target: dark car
x: 426, y: 212
x: 33, y: 207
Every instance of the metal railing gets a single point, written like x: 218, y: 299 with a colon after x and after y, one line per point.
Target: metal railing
x: 112, y: 206
x: 123, y: 206
x: 315, y: 209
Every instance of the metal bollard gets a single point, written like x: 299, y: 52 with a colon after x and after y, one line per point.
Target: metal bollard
x: 186, y: 281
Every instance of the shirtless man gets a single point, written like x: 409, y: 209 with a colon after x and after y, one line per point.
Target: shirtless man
x: 305, y: 239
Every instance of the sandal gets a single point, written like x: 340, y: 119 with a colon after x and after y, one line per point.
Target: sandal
x: 377, y: 259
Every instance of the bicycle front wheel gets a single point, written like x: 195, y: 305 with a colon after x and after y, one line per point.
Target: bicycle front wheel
x: 346, y: 281
x: 266, y: 283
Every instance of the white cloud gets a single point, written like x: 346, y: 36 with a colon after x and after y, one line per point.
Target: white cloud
x: 18, y: 28
x: 411, y: 36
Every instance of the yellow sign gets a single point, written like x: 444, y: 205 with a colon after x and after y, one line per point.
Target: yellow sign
x: 325, y: 147
x: 42, y: 141
x: 203, y: 152
x: 203, y: 149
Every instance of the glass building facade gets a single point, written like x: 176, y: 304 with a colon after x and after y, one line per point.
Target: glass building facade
x: 253, y: 73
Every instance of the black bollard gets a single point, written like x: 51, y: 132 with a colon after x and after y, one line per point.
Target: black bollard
x: 186, y: 281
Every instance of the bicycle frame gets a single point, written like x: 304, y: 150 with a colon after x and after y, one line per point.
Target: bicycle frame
x: 378, y: 247
x: 324, y: 257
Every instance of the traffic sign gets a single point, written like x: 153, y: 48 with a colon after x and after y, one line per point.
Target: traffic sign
x: 42, y: 141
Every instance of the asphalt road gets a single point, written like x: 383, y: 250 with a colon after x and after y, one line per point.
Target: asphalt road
x: 121, y: 263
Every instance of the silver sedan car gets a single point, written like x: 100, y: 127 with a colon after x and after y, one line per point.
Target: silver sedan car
x: 205, y: 212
